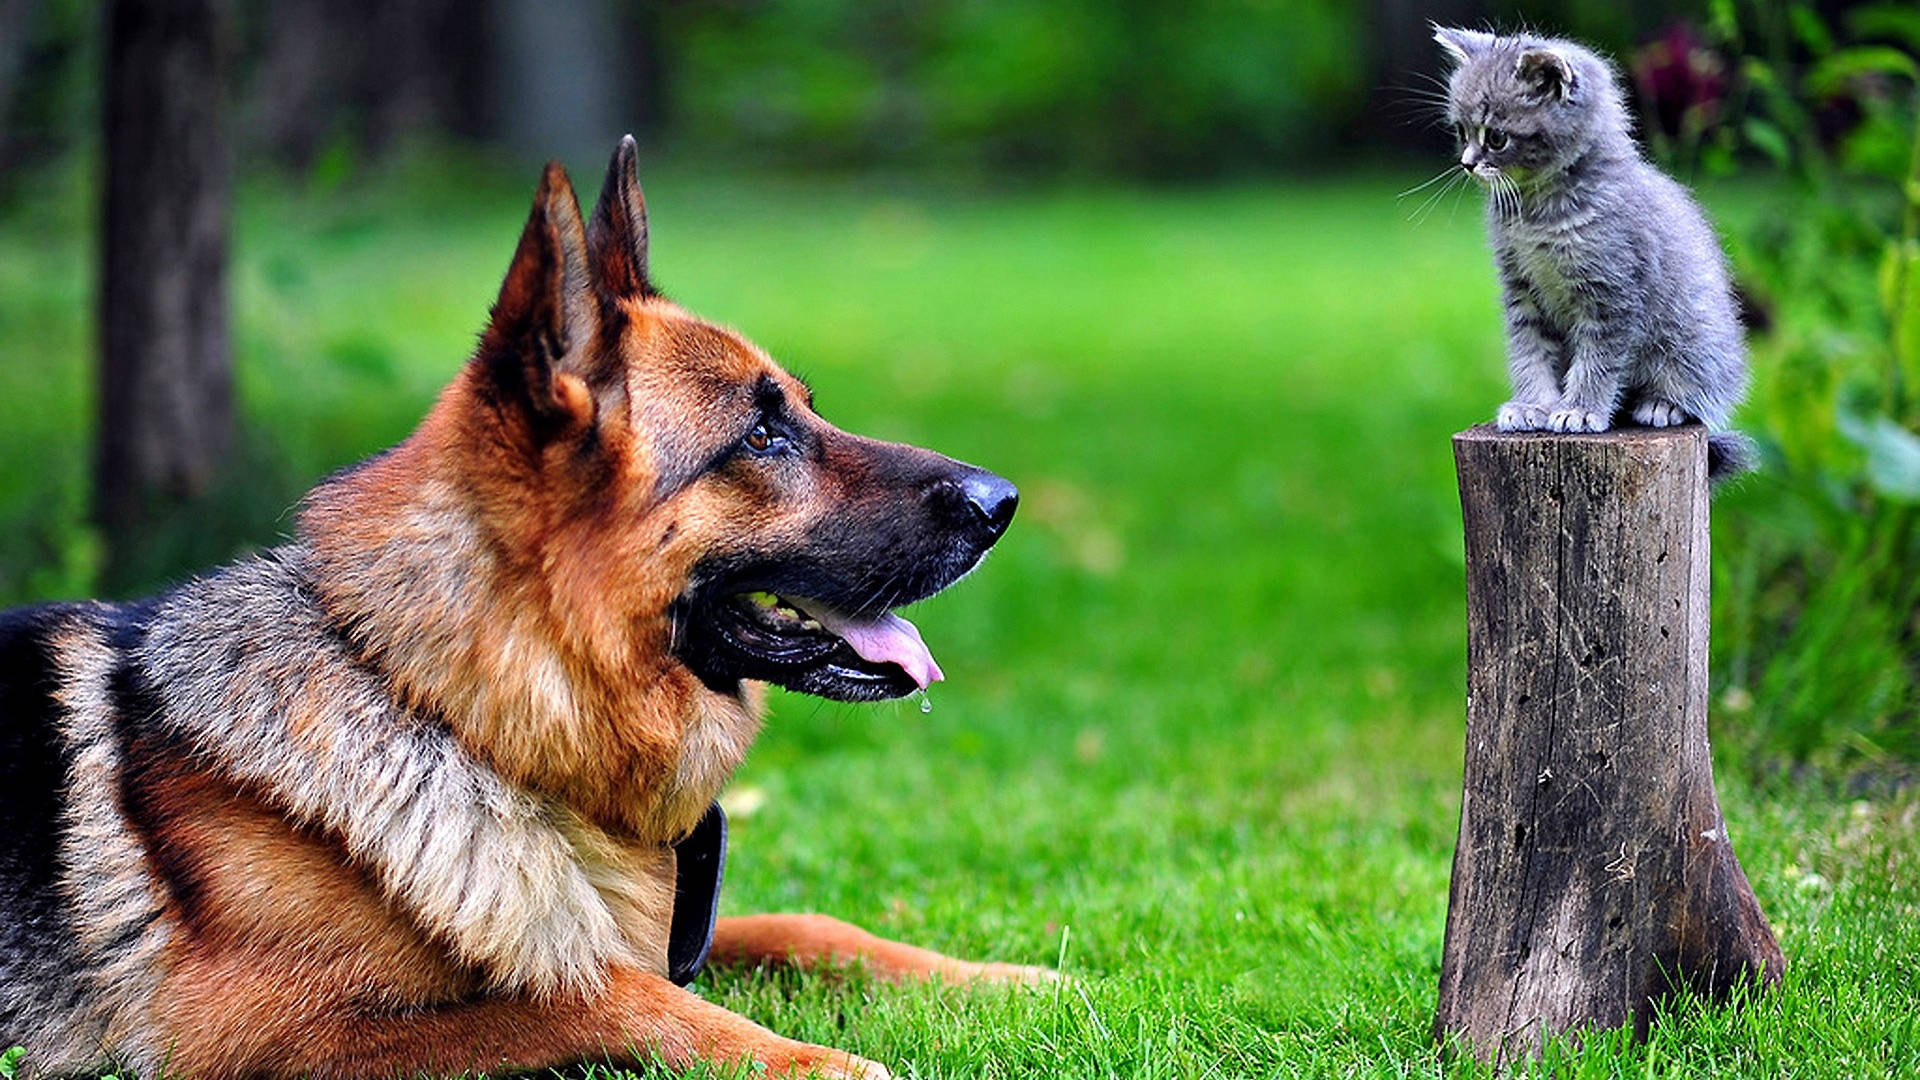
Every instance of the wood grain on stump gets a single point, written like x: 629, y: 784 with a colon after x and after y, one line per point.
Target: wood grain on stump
x: 1593, y: 874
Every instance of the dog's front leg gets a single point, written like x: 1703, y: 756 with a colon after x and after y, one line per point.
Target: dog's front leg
x: 811, y: 941
x: 635, y: 1017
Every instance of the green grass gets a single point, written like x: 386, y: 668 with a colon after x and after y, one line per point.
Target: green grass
x: 1200, y: 742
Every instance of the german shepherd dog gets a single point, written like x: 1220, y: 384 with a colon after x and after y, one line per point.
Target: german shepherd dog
x: 414, y: 793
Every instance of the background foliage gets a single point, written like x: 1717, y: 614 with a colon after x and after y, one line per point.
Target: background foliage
x: 1812, y: 104
x: 1202, y: 737
x: 1820, y: 600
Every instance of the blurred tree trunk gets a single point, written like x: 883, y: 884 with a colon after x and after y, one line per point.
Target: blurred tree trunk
x: 1407, y: 75
x: 363, y: 74
x: 16, y: 27
x: 647, y: 98
x: 166, y: 374
x: 558, y: 79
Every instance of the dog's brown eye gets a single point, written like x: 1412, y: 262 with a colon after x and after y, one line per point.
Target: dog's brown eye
x: 763, y: 439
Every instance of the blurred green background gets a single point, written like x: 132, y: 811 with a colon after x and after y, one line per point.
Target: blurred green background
x: 1153, y: 262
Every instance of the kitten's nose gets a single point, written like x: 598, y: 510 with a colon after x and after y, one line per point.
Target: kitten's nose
x: 1469, y: 158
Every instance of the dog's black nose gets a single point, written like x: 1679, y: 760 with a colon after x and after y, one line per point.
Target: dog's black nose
x: 973, y: 502
x: 992, y: 498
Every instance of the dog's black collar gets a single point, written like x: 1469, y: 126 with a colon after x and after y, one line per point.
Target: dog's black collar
x: 701, y: 859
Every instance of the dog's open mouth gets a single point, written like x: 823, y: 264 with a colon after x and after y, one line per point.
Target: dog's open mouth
x: 881, y: 639
x: 806, y: 645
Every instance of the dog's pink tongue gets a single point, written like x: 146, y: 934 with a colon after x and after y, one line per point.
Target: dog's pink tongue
x: 884, y: 639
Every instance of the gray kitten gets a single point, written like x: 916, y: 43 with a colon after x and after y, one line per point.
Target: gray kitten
x: 1614, y: 284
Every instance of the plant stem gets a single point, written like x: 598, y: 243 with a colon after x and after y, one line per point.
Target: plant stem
x: 1903, y: 259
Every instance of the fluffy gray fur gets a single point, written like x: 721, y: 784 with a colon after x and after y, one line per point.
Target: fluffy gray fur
x: 1615, y: 287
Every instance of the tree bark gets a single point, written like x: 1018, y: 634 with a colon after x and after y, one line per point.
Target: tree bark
x: 1593, y: 874
x: 166, y: 376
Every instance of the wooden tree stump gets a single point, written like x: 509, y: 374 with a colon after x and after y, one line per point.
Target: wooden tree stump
x: 1593, y: 874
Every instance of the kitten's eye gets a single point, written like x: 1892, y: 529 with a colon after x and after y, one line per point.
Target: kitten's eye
x: 1496, y: 140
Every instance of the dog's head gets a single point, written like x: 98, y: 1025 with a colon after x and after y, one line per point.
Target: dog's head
x: 685, y: 482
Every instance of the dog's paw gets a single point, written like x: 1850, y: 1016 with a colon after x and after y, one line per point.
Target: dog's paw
x: 826, y: 1064
x: 1564, y: 419
x: 855, y: 1068
x: 1521, y: 416
x: 1654, y: 412
x: 1012, y: 974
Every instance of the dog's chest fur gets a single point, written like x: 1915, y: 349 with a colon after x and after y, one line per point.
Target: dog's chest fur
x: 244, y: 668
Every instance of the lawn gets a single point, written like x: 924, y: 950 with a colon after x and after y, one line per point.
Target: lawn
x: 1201, y: 739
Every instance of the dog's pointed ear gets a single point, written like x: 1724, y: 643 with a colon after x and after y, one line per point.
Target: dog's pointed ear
x: 1548, y: 73
x: 1462, y: 45
x: 617, y: 235
x: 544, y: 313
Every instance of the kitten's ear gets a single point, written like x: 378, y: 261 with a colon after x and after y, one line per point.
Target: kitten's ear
x: 1547, y: 72
x: 1462, y: 45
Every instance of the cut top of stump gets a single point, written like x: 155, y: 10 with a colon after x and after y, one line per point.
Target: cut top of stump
x: 1665, y: 445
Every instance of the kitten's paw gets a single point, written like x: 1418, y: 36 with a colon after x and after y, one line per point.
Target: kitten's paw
x: 1576, y: 420
x: 1521, y: 416
x: 1654, y: 412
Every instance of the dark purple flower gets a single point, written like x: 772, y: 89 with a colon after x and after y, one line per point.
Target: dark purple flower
x: 1681, y: 81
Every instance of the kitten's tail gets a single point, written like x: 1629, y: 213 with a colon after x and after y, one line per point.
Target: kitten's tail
x: 1729, y: 453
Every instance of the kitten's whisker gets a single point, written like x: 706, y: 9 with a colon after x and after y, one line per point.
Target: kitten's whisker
x: 1454, y: 210
x: 1436, y: 88
x: 1513, y: 195
x: 1419, y: 212
x: 1437, y: 177
x: 1418, y: 107
x: 1426, y: 208
x: 1429, y: 93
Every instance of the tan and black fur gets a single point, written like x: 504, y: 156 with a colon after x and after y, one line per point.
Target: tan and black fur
x: 401, y: 796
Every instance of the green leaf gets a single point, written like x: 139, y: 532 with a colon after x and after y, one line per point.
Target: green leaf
x: 1893, y: 453
x: 1716, y: 159
x: 1900, y: 298
x: 1759, y: 73
x: 1832, y: 74
x: 1724, y: 20
x: 1813, y: 32
x: 10, y: 1062
x: 1900, y: 256
x: 1769, y: 139
x: 1900, y: 21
